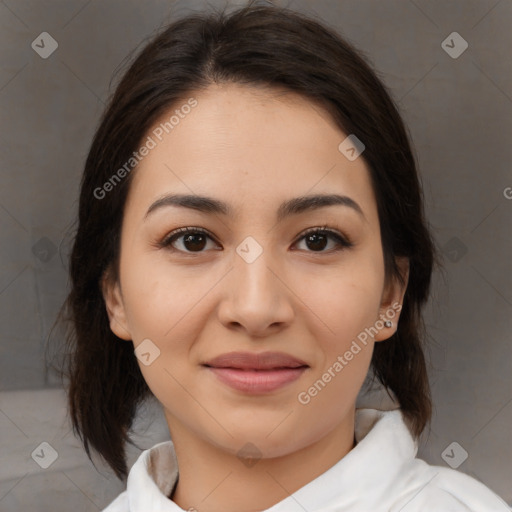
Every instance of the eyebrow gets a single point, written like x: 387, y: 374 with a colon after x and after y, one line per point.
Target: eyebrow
x: 290, y: 207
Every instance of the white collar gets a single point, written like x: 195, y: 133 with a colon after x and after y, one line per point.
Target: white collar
x: 384, y: 448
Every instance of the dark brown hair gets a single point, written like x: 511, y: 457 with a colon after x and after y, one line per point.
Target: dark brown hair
x: 259, y: 46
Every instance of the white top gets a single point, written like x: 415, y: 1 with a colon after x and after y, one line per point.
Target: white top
x: 380, y: 474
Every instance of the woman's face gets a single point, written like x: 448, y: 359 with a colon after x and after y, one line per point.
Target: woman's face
x: 252, y: 283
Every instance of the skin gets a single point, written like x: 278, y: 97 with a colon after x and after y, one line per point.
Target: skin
x: 252, y: 148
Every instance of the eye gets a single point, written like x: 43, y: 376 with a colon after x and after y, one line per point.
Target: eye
x: 194, y: 240
x: 317, y: 239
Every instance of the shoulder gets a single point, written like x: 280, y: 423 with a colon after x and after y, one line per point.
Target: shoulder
x: 438, y: 488
x: 401, y: 482
x: 120, y: 504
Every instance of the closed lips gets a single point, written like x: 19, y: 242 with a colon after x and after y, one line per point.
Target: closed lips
x: 253, y: 361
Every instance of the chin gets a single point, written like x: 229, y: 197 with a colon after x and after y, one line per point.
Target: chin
x: 271, y: 437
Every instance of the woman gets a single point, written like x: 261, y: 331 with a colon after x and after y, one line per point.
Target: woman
x: 251, y: 244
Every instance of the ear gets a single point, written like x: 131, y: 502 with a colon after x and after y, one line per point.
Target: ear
x: 115, y: 306
x: 392, y: 300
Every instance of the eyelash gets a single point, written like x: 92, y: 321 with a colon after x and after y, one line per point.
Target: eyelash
x: 342, y: 240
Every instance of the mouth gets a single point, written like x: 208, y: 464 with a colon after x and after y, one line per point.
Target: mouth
x: 256, y: 373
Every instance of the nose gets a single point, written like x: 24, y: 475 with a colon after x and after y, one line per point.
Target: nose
x: 257, y: 298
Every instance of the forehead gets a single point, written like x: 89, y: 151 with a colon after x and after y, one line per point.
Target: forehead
x: 248, y: 145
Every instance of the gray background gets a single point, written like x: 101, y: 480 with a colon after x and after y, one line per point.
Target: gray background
x: 458, y: 111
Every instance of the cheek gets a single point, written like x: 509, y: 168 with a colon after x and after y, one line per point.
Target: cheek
x: 345, y: 300
x: 162, y: 307
x: 159, y: 299
x: 346, y: 306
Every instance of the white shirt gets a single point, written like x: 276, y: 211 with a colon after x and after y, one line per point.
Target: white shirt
x: 380, y: 474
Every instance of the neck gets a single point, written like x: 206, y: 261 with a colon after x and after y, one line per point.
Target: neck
x: 213, y: 480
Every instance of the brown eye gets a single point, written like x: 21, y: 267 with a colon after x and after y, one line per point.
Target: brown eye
x: 194, y: 242
x: 187, y: 240
x: 317, y: 240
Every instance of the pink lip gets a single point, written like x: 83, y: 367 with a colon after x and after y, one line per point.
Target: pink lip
x: 256, y: 373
